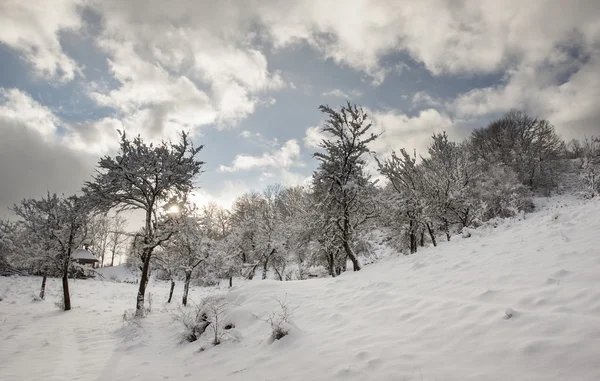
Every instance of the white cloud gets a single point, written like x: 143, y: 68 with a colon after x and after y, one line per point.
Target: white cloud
x: 341, y: 94
x: 33, y: 27
x: 224, y: 198
x: 397, y: 130
x: 313, y: 137
x: 422, y: 98
x: 286, y: 156
x: 98, y: 137
x: 291, y: 179
x: 571, y: 106
x: 401, y: 131
x: 151, y: 100
x: 18, y: 107
x: 180, y: 65
x: 446, y: 36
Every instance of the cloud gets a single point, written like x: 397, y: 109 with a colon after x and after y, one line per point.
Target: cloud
x: 401, y: 131
x: 33, y: 28
x: 33, y: 159
x: 17, y: 107
x: 340, y: 94
x: 570, y: 105
x: 397, y: 130
x: 286, y: 156
x: 224, y: 198
x: 313, y: 137
x: 98, y: 137
x: 180, y: 66
x: 422, y: 98
x: 291, y: 179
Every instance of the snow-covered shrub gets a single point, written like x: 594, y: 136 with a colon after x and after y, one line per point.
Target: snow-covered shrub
x: 209, y: 313
x: 280, y: 320
x: 195, y: 321
x: 501, y: 194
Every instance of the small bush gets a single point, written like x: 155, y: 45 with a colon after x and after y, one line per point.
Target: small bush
x: 194, y: 322
x: 281, y: 320
x: 209, y: 313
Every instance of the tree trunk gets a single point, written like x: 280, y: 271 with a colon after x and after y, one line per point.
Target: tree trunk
x: 139, y: 306
x: 422, y: 241
x: 186, y: 287
x: 112, y: 257
x: 230, y: 281
x: 252, y: 271
x: 279, y: 273
x: 265, y: 268
x: 412, y: 237
x: 446, y: 229
x: 350, y: 253
x: 331, y: 262
x: 171, y: 291
x: 431, y: 234
x: 43, y: 289
x: 66, y: 295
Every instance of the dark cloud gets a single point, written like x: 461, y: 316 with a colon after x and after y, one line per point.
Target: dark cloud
x: 30, y: 166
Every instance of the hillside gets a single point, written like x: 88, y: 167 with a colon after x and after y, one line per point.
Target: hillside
x: 519, y: 301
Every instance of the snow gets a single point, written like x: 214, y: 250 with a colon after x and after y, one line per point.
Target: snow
x: 83, y: 254
x: 118, y: 273
x: 517, y: 300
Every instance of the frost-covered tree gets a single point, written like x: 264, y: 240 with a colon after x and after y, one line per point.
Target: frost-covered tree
x: 406, y: 179
x: 244, y: 238
x: 528, y: 145
x: 117, y: 237
x: 57, y: 226
x: 144, y: 177
x: 590, y: 166
x: 497, y: 193
x: 340, y: 184
x: 449, y: 173
x: 99, y: 228
x: 189, y: 246
x: 11, y: 246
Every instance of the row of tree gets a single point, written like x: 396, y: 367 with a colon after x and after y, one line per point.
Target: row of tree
x: 297, y: 232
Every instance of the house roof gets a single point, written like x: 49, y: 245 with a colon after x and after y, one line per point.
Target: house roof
x: 82, y: 254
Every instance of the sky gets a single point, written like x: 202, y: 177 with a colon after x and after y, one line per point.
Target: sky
x: 245, y: 79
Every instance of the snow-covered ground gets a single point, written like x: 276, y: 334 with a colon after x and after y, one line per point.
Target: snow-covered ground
x: 440, y: 314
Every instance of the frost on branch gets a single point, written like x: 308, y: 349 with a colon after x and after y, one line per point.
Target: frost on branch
x: 145, y: 177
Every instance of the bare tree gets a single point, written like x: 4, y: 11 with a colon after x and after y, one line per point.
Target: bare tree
x: 528, y: 145
x: 144, y: 177
x: 117, y: 237
x: 340, y: 182
x: 58, y: 225
x: 189, y: 246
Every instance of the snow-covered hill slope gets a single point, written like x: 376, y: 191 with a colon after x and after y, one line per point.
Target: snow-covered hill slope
x: 517, y: 302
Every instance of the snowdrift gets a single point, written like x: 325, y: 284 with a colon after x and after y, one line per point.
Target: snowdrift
x: 518, y: 301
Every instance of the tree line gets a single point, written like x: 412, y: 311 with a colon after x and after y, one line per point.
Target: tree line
x: 294, y: 233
